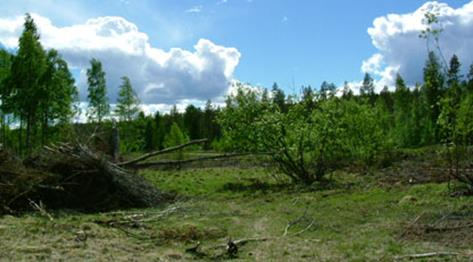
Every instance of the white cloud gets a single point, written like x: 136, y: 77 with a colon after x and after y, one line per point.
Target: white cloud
x: 194, y: 9
x: 396, y: 36
x: 159, y: 76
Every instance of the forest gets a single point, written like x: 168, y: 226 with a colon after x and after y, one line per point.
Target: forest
x: 352, y: 175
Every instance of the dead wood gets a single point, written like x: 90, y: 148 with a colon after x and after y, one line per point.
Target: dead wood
x: 426, y: 255
x: 71, y: 176
x: 187, y: 161
x: 97, y: 179
x: 160, y: 152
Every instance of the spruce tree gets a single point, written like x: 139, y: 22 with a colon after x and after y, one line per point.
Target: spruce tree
x: 433, y: 89
x: 98, y: 100
x: 128, y: 102
x: 279, y: 98
x: 367, y: 87
x: 469, y: 83
x: 192, y: 121
x: 149, y: 136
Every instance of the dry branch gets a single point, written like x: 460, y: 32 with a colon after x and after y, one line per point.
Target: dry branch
x: 426, y: 255
x: 187, y: 161
x: 160, y: 152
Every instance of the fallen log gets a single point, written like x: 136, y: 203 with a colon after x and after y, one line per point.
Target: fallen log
x: 186, y: 161
x: 160, y: 152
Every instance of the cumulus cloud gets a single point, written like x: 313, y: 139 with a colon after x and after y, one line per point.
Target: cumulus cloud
x: 396, y: 36
x: 159, y: 76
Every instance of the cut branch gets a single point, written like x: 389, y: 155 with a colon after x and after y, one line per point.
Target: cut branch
x: 160, y: 152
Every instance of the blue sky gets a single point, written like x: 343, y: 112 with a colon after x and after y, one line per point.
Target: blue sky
x: 289, y: 42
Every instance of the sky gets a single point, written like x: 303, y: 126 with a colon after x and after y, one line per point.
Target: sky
x: 188, y: 51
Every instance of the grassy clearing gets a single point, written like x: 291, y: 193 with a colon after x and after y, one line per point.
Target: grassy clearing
x: 355, y: 218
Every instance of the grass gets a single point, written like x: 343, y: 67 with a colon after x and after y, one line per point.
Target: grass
x: 354, y: 218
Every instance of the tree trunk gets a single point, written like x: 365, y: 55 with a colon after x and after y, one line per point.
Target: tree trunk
x: 115, y: 142
x: 20, y: 138
x: 44, y: 130
x: 28, y: 134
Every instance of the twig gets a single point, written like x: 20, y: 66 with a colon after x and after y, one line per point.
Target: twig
x: 159, y: 152
x: 305, y: 229
x: 296, y: 221
x: 41, y: 209
x: 425, y: 255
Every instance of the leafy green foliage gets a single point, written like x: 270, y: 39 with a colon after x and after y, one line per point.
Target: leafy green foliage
x: 36, y: 88
x: 305, y: 144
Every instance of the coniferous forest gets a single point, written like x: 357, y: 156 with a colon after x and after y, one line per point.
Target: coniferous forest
x: 325, y: 173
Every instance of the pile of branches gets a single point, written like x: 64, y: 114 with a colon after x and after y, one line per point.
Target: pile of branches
x: 76, y: 176
x: 72, y: 176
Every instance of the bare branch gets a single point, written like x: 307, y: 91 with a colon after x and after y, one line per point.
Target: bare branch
x: 160, y: 152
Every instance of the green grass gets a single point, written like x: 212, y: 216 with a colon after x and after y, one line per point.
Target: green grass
x: 353, y: 219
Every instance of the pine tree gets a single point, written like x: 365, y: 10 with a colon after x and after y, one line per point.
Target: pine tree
x: 470, y: 80
x: 128, y: 102
x: 327, y: 89
x: 367, y: 87
x: 265, y: 96
x: 308, y: 98
x: 279, y: 98
x: 209, y: 123
x: 192, y: 121
x: 149, y: 136
x: 98, y: 100
x: 402, y: 111
x: 454, y: 71
x: 450, y: 102
x: 160, y: 130
x: 387, y: 99
x: 347, y: 92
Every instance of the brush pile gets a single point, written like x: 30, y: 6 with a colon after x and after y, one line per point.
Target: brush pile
x: 71, y: 176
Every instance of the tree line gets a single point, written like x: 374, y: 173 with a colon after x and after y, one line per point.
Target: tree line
x: 39, y: 100
x: 320, y: 130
